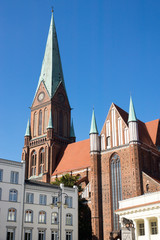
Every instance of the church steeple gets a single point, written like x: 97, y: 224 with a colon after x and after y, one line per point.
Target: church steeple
x: 50, y: 115
x: 51, y: 71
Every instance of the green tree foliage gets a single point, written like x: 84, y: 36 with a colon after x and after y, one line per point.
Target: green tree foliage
x: 67, y: 180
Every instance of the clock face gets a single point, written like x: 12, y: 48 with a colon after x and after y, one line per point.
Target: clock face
x: 41, y: 96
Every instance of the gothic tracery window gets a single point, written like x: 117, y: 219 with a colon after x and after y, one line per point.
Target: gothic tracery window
x: 41, y: 160
x: 40, y: 123
x: 45, y: 120
x: 61, y: 123
x: 35, y: 124
x: 33, y: 163
x: 116, y: 188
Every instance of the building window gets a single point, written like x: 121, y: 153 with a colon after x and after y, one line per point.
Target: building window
x: 29, y: 197
x: 141, y: 229
x: 68, y: 201
x: 28, y: 234
x: 10, y: 234
x: 153, y: 228
x: 29, y: 216
x: 33, y: 159
x: 14, y: 177
x: 61, y: 123
x: 42, y: 217
x: 35, y: 124
x: 40, y: 123
x: 41, y: 160
x: 55, y: 120
x: 68, y: 235
x: 41, y: 234
x: 68, y: 219
x: 116, y: 188
x: 42, y: 199
x: 13, y: 195
x: 12, y: 214
x: 0, y: 194
x: 54, y: 201
x: 54, y: 218
x: 1, y: 175
x: 54, y: 235
x: 45, y: 119
x: 65, y: 125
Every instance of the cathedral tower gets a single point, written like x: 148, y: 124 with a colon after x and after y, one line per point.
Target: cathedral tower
x: 48, y: 132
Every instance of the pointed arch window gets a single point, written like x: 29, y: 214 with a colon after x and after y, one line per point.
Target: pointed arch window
x: 34, y: 160
x: 45, y: 120
x: 65, y: 125
x: 55, y: 120
x: 40, y: 123
x: 116, y: 188
x: 35, y: 124
x: 41, y: 160
x: 61, y: 123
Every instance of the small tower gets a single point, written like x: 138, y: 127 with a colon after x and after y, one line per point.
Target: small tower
x: 50, y: 129
x: 132, y: 123
x: 94, y: 138
x: 96, y: 198
x: 72, y: 133
x: 27, y: 135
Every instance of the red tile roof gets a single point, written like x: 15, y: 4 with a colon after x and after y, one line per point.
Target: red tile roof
x: 76, y: 156
x: 152, y: 128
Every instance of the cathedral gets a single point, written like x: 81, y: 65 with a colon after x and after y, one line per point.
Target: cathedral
x: 120, y: 162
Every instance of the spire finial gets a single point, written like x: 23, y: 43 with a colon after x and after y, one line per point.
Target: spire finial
x: 52, y: 9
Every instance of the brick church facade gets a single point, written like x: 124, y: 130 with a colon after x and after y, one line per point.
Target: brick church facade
x: 121, y: 162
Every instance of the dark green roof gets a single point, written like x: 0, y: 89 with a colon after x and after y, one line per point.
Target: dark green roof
x: 93, y: 128
x: 28, y: 133
x: 132, y: 114
x: 51, y: 71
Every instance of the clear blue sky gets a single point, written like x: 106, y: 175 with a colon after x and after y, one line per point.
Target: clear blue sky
x: 109, y: 49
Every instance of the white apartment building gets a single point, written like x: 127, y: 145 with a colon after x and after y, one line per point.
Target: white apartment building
x: 144, y: 210
x: 11, y: 199
x: 33, y: 210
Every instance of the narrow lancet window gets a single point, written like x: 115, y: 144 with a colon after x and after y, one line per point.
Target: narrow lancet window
x: 116, y: 188
x: 40, y: 123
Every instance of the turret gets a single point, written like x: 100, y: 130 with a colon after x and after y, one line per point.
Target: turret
x: 72, y: 133
x: 94, y: 138
x: 132, y: 123
x: 50, y: 128
x: 27, y: 135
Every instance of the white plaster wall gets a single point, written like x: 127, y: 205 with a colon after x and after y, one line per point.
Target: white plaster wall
x: 5, y: 204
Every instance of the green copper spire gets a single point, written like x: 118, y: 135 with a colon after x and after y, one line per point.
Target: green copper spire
x: 72, y: 133
x: 51, y: 71
x: 132, y: 114
x: 93, y: 124
x: 28, y: 129
x: 50, y: 123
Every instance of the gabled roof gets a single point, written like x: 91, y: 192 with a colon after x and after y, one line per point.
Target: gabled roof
x: 76, y: 156
x: 51, y: 71
x: 144, y: 134
x: 152, y: 128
